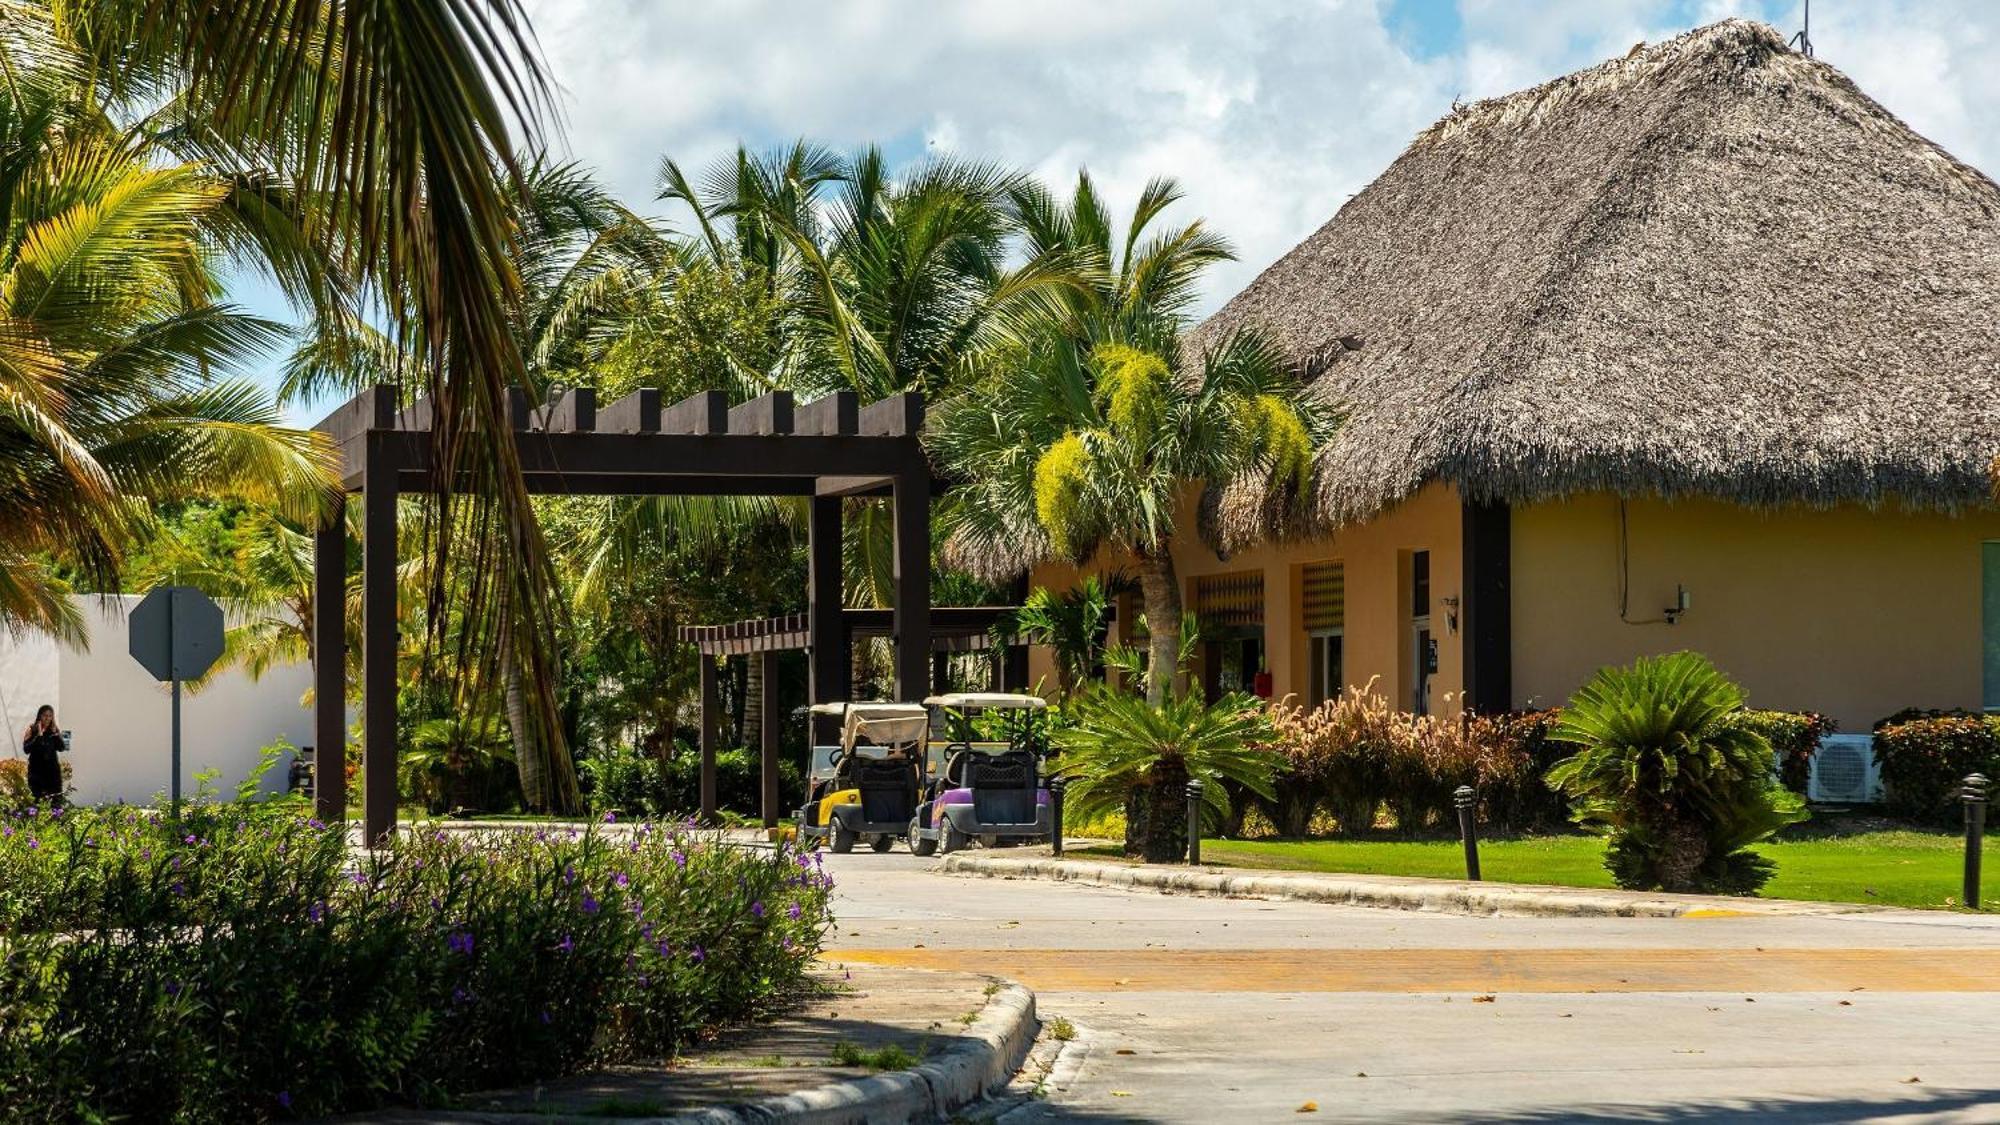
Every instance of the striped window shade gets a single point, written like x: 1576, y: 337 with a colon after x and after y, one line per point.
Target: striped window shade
x: 1325, y: 596
x: 1230, y: 600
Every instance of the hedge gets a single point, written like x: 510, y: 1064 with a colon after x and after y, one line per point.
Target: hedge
x: 1925, y: 757
x: 242, y: 964
x: 1794, y: 737
x: 637, y: 784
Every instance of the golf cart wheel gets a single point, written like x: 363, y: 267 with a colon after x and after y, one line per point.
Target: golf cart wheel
x: 954, y: 840
x: 921, y: 845
x: 882, y: 842
x: 843, y: 840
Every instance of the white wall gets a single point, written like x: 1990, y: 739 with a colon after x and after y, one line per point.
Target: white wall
x: 120, y: 715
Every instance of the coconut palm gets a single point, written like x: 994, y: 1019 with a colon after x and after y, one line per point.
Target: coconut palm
x: 1073, y: 448
x: 112, y: 342
x: 1083, y: 436
x: 392, y: 123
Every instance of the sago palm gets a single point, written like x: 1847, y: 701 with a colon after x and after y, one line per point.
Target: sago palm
x: 1665, y: 768
x: 1122, y: 753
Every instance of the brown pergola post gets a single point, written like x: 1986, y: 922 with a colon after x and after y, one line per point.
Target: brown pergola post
x: 378, y: 641
x: 940, y: 672
x: 329, y: 644
x: 769, y: 706
x: 911, y: 497
x: 829, y: 663
x: 711, y: 706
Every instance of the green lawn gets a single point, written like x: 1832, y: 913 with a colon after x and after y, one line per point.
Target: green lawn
x: 1895, y: 868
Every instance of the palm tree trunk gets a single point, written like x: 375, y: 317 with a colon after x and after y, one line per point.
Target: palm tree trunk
x: 1163, y: 835
x: 528, y: 759
x: 1162, y: 593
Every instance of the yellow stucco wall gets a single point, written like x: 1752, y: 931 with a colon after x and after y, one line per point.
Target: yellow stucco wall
x: 1852, y: 612
x: 1375, y: 558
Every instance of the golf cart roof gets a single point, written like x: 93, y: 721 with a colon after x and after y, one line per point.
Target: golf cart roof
x: 872, y: 710
x: 987, y: 700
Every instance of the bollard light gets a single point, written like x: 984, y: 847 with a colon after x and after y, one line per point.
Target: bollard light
x: 1056, y: 787
x: 1194, y: 822
x: 1974, y: 796
x: 1467, y: 800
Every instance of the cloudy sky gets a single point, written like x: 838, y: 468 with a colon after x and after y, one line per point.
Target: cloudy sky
x: 1271, y: 113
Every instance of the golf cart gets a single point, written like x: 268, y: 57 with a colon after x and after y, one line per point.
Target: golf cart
x: 986, y: 788
x: 868, y: 786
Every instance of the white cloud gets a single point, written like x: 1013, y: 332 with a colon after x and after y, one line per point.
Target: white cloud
x: 1270, y: 112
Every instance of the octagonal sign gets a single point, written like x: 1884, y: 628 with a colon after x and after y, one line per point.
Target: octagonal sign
x: 176, y: 632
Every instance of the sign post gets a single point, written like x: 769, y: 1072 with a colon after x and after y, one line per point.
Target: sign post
x: 176, y: 634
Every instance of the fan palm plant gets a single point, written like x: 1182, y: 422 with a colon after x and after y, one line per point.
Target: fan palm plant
x: 1073, y: 623
x: 1122, y: 753
x: 1664, y: 765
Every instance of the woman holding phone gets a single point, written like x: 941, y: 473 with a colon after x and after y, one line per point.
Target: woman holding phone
x: 41, y: 744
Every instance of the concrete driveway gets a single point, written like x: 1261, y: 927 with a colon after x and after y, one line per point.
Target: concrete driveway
x: 1231, y: 1010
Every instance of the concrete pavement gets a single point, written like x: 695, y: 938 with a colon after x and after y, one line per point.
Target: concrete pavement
x: 1206, y: 1009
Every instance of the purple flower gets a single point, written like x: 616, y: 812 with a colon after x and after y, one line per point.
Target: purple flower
x: 180, y: 888
x: 569, y: 873
x: 460, y: 996
x: 187, y: 839
x: 359, y: 879
x: 33, y: 843
x: 317, y: 912
x: 622, y: 880
x: 611, y: 818
x: 547, y: 1019
x: 590, y: 904
x: 284, y: 1099
x: 796, y: 911
x: 697, y: 956
x: 173, y: 988
x: 565, y: 945
x: 460, y: 942
x: 666, y: 949
x: 757, y: 909
x: 680, y: 858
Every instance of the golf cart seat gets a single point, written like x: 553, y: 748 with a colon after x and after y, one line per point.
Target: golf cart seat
x: 1003, y: 785
x: 888, y: 788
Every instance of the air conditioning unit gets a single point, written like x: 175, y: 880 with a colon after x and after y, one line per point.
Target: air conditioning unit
x: 1844, y: 771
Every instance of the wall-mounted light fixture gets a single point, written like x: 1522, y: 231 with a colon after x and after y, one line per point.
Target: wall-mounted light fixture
x: 1681, y: 603
x: 1450, y: 613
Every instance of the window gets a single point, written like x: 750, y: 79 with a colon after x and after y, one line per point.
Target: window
x: 1420, y: 584
x: 1989, y: 623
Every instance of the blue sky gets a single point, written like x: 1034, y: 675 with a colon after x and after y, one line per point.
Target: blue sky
x: 1271, y: 113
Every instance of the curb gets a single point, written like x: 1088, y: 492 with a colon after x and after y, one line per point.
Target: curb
x: 1392, y: 892
x: 979, y: 1061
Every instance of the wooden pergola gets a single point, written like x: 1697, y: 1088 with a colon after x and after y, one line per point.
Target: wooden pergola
x: 828, y: 449
x: 954, y: 629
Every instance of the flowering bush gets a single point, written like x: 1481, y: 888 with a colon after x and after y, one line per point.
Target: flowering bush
x: 245, y: 964
x: 1925, y: 760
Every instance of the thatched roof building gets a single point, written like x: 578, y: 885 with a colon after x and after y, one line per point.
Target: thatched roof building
x: 1714, y: 267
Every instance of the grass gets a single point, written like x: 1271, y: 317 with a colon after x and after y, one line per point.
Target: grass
x: 1891, y: 867
x: 891, y: 1057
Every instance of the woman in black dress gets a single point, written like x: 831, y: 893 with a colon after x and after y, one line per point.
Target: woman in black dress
x: 41, y: 744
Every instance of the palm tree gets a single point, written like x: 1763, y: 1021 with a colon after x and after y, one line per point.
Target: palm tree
x: 1073, y: 624
x: 1084, y: 437
x: 113, y: 336
x: 1071, y: 449
x: 390, y: 122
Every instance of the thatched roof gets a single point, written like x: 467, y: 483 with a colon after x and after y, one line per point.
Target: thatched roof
x: 1713, y: 267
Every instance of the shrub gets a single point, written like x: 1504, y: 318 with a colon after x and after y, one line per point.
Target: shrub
x: 1924, y: 762
x: 1353, y: 754
x: 14, y: 793
x: 1122, y: 752
x: 1794, y: 737
x: 243, y: 964
x: 1666, y: 765
x: 638, y: 784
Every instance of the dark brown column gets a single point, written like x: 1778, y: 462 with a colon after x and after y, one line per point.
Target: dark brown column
x: 769, y: 704
x: 940, y: 672
x: 1487, y: 611
x: 329, y: 626
x: 830, y: 667
x: 378, y: 644
x: 912, y: 500
x: 711, y: 720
